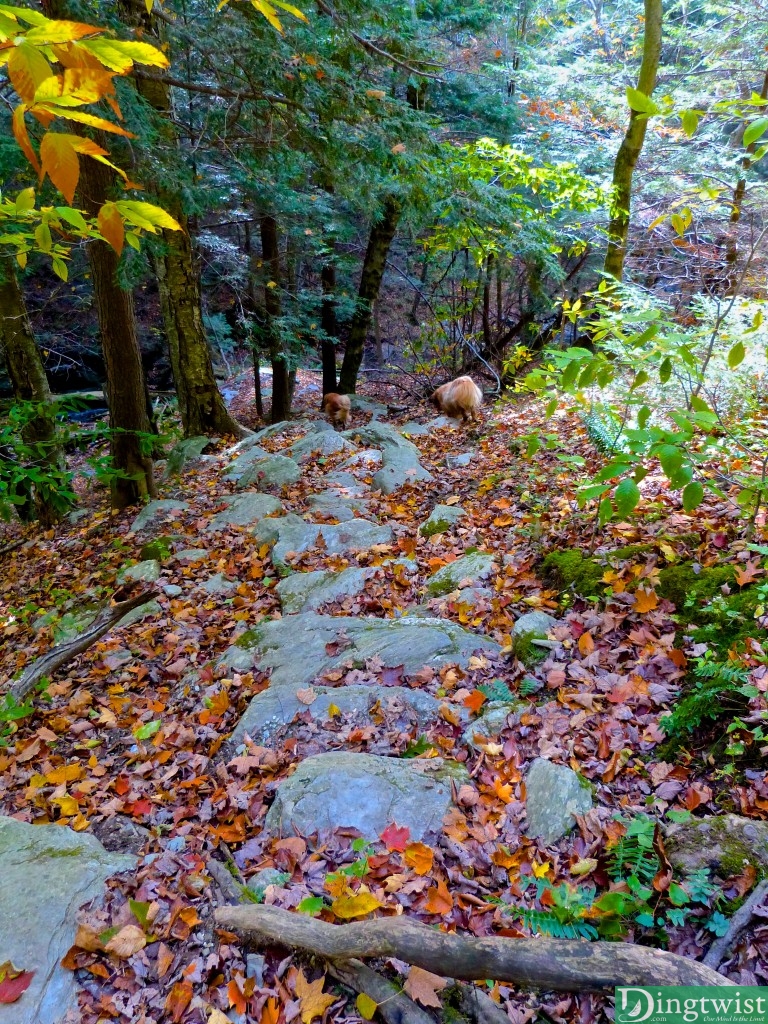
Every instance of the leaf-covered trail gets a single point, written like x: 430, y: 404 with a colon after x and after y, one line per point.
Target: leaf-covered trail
x: 133, y: 730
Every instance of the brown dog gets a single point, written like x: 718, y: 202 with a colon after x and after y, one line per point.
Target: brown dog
x: 336, y: 408
x: 460, y: 397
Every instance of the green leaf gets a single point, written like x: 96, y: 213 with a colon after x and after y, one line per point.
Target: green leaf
x: 671, y: 458
x: 699, y: 405
x: 311, y: 905
x: 693, y: 495
x: 643, y: 416
x: 665, y: 370
x: 626, y: 496
x: 140, y: 911
x: 640, y: 378
x: 736, y: 355
x: 589, y: 493
x: 640, y: 102
x: 148, y: 729
x: 690, y: 120
x: 755, y: 130
x: 677, y: 895
x: 605, y: 511
x: 533, y: 446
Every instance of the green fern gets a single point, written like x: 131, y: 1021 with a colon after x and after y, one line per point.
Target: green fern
x: 604, y: 431
x: 634, y: 854
x: 721, y: 690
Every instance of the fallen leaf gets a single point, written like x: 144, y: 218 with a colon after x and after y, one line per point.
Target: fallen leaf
x: 439, y: 899
x: 313, y: 1001
x: 129, y: 940
x: 586, y: 644
x: 395, y: 838
x: 420, y: 857
x: 13, y: 982
x: 359, y: 905
x: 645, y: 601
x: 750, y: 572
x: 366, y: 1007
x: 422, y: 986
x: 307, y: 696
x: 178, y: 1000
x: 474, y: 701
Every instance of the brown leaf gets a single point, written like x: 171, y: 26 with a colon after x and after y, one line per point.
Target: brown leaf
x: 439, y: 899
x: 424, y: 986
x: 129, y: 940
x: 178, y: 1000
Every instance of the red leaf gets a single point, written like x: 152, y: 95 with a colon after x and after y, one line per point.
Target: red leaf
x: 13, y: 983
x: 474, y: 701
x: 395, y: 838
x: 720, y: 540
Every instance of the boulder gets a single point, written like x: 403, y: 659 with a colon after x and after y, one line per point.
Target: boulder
x: 144, y: 611
x: 270, y: 471
x: 364, y: 792
x: 346, y: 483
x: 156, y: 514
x: 293, y: 534
x: 377, y: 410
x: 46, y: 873
x: 400, y: 458
x: 537, y: 624
x: 244, y: 510
x: 320, y: 443
x: 301, y: 647
x: 441, y: 519
x: 148, y: 571
x: 413, y: 429
x: 192, y: 555
x: 554, y: 794
x: 458, y: 461
x: 308, y: 591
x: 463, y: 572
x: 727, y: 843
x: 366, y: 459
x: 245, y: 461
x: 186, y: 453
x: 276, y: 707
x: 337, y: 505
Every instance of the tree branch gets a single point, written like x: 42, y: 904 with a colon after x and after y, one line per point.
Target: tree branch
x: 567, y: 966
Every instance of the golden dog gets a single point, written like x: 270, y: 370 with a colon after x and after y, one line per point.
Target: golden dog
x: 336, y: 408
x: 460, y: 397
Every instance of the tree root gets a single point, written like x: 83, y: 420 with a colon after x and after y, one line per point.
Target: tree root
x: 120, y: 604
x: 562, y: 965
x: 393, y: 1006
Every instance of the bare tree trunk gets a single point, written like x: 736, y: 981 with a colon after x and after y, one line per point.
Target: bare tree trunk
x: 201, y: 405
x: 632, y: 144
x: 379, y: 241
x: 30, y: 384
x: 126, y: 389
x: 329, y: 326
x: 281, y: 397
x: 741, y: 185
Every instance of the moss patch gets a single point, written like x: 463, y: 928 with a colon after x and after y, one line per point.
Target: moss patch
x: 570, y: 570
x: 683, y: 585
x: 158, y: 549
x: 526, y: 651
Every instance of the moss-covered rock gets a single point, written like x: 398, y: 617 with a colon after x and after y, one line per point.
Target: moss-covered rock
x: 571, y: 570
x: 158, y: 549
x: 689, y: 584
x: 726, y: 843
x: 525, y: 649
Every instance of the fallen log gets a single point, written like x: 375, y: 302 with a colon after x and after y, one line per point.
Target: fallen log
x: 739, y: 923
x: 559, y: 964
x: 121, y: 603
x: 393, y: 1006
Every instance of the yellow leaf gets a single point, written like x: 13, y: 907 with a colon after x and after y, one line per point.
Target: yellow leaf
x: 22, y: 137
x: 67, y: 773
x: 121, y: 54
x: 359, y: 905
x: 67, y: 804
x: 366, y: 1007
x: 111, y: 226
x: 375, y: 94
x: 89, y: 119
x: 146, y: 215
x: 129, y: 940
x: 313, y: 1001
x: 583, y: 867
x: 27, y: 68
x: 645, y: 601
x: 269, y: 13
x: 59, y: 32
x: 453, y: 500
x: 216, y: 1017
x: 541, y: 870
x: 334, y: 711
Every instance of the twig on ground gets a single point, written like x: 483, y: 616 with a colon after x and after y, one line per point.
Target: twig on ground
x: 739, y: 922
x: 48, y: 663
x: 563, y: 965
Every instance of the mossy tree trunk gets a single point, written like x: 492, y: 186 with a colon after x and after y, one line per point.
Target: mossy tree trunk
x: 329, y: 326
x: 201, y: 405
x: 30, y: 384
x: 281, y: 384
x: 632, y: 144
x: 126, y: 388
x: 379, y: 242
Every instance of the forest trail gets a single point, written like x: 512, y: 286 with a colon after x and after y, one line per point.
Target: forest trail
x: 351, y: 638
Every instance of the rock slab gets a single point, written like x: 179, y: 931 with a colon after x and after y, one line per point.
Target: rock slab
x: 441, y: 519
x: 464, y: 571
x: 364, y: 792
x: 308, y: 591
x: 244, y: 509
x: 554, y: 794
x: 46, y: 873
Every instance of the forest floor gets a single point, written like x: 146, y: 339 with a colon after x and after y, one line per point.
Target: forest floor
x: 121, y: 732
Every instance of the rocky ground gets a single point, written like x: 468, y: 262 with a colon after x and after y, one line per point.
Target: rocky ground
x: 354, y: 682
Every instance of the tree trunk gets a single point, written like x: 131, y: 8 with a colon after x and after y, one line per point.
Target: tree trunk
x: 270, y: 251
x: 30, y: 384
x: 126, y: 389
x: 374, y: 263
x: 741, y: 185
x: 632, y: 144
x: 201, y: 405
x: 329, y: 327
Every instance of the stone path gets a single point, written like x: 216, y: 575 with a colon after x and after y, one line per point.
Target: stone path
x: 304, y: 650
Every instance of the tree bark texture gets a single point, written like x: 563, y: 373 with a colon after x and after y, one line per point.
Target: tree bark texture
x: 329, y: 327
x: 562, y: 965
x: 201, y: 405
x: 30, y: 384
x: 632, y: 144
x: 379, y: 241
x: 126, y: 389
x: 270, y: 251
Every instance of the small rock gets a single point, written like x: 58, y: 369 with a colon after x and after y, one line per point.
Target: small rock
x: 496, y: 717
x: 337, y: 505
x: 172, y: 590
x: 554, y: 794
x: 218, y: 584
x: 365, y: 459
x: 185, y: 453
x: 365, y: 792
x: 413, y: 429
x: 142, y: 612
x: 192, y: 555
x: 267, y: 876
x: 320, y: 444
x: 728, y: 843
x: 441, y: 519
x: 466, y: 570
x: 369, y: 405
x: 148, y: 571
x: 156, y: 514
x: 120, y: 834
x: 538, y: 624
x: 458, y: 461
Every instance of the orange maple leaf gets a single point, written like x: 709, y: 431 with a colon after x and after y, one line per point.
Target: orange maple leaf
x: 474, y: 701
x: 419, y: 857
x: 439, y: 900
x: 586, y: 644
x: 646, y: 601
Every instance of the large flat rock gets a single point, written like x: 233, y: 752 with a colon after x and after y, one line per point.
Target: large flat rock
x: 46, y: 873
x: 337, y: 505
x: 308, y: 591
x: 320, y: 443
x: 270, y: 471
x: 276, y: 707
x: 362, y: 791
x: 157, y: 514
x: 464, y: 571
x: 301, y: 647
x: 244, y: 509
x: 553, y: 795
x: 292, y: 534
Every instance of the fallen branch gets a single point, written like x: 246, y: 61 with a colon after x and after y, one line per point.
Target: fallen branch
x: 479, y: 1007
x: 59, y: 655
x: 740, y: 920
x: 393, y: 1006
x: 566, y: 966
x: 12, y: 547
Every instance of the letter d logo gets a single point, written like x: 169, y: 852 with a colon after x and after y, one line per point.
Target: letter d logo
x: 633, y: 1005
